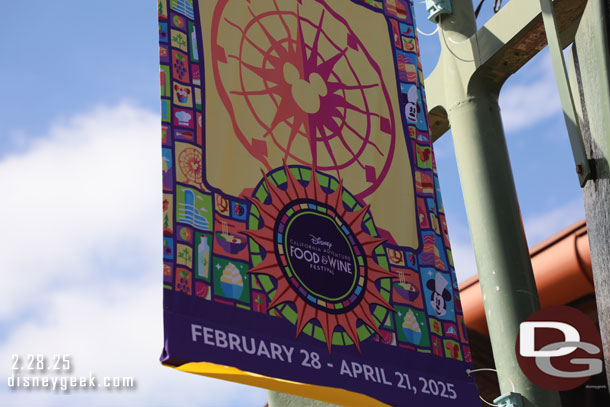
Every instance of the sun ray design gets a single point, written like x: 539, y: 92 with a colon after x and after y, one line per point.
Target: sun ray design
x: 305, y: 284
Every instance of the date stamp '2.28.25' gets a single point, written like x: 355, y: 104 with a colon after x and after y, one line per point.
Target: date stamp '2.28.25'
x: 54, y: 373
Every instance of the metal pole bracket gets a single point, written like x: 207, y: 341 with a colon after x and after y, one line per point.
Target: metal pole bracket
x: 436, y: 8
x: 583, y: 168
x: 509, y: 400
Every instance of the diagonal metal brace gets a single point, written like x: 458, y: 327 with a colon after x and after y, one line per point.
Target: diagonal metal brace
x: 583, y: 168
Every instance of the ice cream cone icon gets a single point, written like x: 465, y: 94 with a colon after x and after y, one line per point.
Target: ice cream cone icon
x: 231, y: 282
x: 411, y: 328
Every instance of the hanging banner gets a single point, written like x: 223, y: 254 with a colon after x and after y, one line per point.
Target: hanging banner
x: 305, y: 244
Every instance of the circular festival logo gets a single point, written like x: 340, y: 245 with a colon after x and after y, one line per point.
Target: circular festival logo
x: 320, y: 253
x: 320, y: 257
x: 308, y: 91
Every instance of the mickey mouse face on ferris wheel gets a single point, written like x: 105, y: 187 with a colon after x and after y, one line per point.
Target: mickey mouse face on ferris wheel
x: 307, y: 92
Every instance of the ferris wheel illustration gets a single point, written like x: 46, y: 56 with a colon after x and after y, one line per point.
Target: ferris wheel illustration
x: 190, y: 162
x: 300, y: 86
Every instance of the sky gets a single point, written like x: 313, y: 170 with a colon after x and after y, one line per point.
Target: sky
x: 80, y: 180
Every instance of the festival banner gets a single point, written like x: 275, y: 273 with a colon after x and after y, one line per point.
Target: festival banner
x: 305, y: 247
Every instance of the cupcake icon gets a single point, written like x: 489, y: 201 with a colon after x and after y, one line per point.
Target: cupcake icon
x: 182, y: 94
x: 411, y: 328
x: 231, y: 282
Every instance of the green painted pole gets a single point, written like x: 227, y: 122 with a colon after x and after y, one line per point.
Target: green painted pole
x: 565, y: 93
x: 277, y: 399
x: 503, y: 262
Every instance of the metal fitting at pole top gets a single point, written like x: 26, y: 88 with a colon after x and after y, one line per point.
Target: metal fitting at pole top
x: 436, y: 8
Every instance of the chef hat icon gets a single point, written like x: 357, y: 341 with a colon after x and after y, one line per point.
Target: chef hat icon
x: 440, y: 283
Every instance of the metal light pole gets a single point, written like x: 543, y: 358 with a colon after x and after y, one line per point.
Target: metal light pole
x: 503, y: 262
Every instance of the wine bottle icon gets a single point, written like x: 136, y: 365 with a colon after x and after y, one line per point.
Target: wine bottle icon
x: 203, y: 258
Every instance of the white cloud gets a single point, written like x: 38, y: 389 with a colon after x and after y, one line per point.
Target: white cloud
x: 531, y: 96
x: 543, y: 225
x: 114, y: 330
x: 83, y: 192
x: 81, y: 250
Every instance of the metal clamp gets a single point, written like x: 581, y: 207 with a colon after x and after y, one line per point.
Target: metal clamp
x: 436, y: 8
x: 509, y: 400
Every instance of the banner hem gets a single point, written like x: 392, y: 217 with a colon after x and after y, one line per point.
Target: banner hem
x: 321, y: 393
